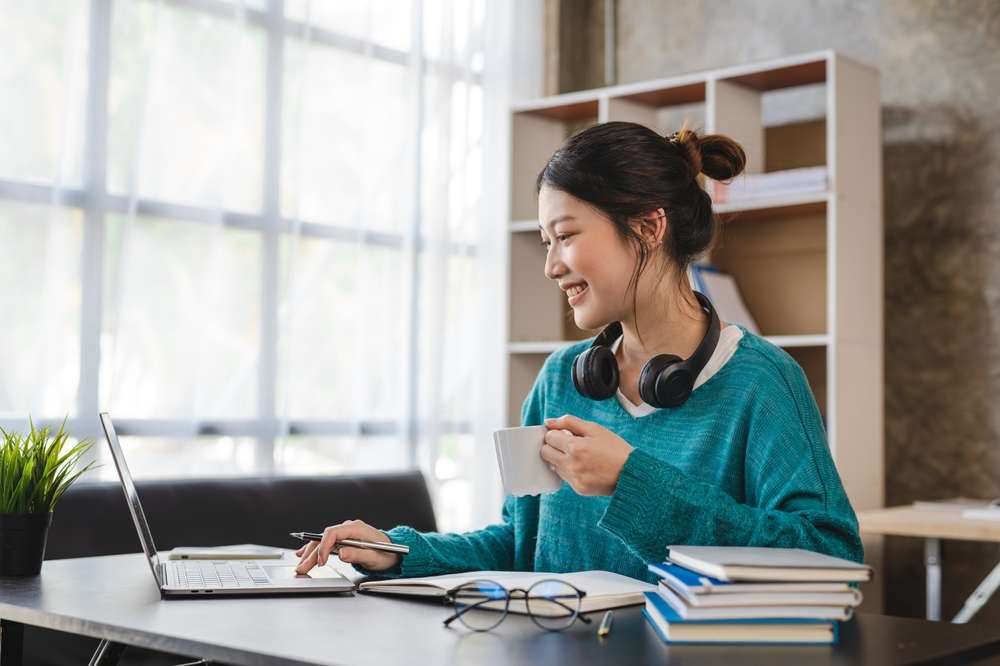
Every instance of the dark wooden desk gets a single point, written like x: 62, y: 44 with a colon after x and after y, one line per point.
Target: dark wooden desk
x: 114, y: 598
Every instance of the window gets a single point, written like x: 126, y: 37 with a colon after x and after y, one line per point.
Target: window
x: 246, y: 229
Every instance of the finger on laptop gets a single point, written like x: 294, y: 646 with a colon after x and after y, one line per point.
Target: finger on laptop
x: 308, y: 560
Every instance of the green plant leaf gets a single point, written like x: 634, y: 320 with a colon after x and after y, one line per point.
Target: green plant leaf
x: 37, y: 467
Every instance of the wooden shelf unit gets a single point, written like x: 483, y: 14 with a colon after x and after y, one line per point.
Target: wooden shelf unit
x: 809, y: 265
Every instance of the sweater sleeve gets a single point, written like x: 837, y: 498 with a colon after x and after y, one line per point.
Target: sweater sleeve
x: 492, y: 548
x: 793, y: 495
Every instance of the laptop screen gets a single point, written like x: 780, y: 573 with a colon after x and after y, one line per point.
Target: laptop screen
x: 132, y: 497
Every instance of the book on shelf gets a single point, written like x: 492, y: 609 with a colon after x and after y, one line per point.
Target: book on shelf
x: 721, y: 290
x: 752, y: 186
x: 730, y: 563
x: 605, y: 589
x: 672, y: 628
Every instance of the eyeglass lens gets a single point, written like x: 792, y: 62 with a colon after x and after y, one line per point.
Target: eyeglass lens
x: 483, y: 604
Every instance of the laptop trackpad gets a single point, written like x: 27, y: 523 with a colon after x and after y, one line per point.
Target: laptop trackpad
x: 287, y: 576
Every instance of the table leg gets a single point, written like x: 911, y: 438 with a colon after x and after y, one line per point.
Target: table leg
x: 932, y: 562
x: 11, y: 643
x: 107, y: 654
x: 978, y: 598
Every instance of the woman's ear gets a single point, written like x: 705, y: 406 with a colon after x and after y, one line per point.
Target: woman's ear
x: 653, y: 227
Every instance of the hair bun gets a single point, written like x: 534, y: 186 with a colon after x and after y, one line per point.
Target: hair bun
x: 715, y: 155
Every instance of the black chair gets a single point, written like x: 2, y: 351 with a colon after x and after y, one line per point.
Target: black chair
x: 93, y: 519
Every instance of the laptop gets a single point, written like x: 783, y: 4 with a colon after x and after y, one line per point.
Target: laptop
x: 206, y: 578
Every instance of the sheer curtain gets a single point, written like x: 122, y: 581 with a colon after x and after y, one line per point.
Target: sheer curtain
x: 267, y: 236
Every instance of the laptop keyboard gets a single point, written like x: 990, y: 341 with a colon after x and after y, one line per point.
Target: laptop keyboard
x: 215, y: 574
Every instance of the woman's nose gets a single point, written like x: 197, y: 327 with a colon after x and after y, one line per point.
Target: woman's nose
x: 553, y: 266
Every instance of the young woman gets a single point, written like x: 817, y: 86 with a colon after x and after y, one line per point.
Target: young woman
x: 739, y: 459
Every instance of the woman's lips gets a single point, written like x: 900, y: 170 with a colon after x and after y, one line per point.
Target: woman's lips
x: 578, y: 295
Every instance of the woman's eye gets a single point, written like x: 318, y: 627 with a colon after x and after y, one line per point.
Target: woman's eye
x: 559, y: 237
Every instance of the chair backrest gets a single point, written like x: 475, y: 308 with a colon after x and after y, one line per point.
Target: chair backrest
x: 93, y: 519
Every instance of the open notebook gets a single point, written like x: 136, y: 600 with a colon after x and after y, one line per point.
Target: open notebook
x: 604, y: 589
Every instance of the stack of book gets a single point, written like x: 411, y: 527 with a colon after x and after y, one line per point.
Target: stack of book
x: 713, y: 594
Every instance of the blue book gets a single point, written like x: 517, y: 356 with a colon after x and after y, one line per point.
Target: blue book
x: 673, y: 629
x: 690, y: 583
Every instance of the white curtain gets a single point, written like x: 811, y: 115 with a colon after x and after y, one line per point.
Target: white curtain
x: 267, y: 236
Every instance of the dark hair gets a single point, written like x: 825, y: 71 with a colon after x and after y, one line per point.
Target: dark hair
x: 627, y: 170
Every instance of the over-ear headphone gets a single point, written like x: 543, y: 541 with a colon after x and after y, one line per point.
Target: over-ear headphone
x: 665, y: 381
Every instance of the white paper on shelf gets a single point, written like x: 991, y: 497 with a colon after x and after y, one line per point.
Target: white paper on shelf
x: 725, y: 296
x: 755, y: 185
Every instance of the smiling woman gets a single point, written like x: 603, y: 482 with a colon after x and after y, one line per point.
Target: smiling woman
x: 735, y: 456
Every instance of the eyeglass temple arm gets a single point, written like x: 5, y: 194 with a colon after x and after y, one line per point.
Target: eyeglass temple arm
x: 465, y: 609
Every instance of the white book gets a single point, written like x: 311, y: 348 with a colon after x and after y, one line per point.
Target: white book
x: 849, y: 597
x: 604, y: 589
x: 768, y: 564
x: 766, y: 611
x: 754, y: 185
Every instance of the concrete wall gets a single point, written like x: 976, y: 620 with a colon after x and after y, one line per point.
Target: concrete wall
x: 940, y: 65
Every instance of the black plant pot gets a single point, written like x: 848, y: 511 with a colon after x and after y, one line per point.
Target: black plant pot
x: 22, y: 542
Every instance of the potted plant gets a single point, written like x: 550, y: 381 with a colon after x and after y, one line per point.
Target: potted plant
x: 35, y: 470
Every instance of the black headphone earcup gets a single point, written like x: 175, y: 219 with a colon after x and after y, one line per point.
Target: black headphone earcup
x: 665, y: 381
x: 595, y: 373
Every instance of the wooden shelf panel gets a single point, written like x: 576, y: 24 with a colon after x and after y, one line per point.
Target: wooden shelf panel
x: 800, y: 74
x: 568, y: 111
x: 521, y: 226
x: 809, y: 204
x: 689, y: 93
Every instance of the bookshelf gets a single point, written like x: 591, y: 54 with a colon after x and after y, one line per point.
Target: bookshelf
x: 808, y: 264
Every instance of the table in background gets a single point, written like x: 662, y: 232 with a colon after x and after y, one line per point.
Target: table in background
x: 114, y: 598
x: 934, y: 522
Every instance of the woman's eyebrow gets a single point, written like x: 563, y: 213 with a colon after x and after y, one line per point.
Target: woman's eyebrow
x: 561, y: 218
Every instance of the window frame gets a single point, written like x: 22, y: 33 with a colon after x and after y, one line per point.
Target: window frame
x: 96, y: 202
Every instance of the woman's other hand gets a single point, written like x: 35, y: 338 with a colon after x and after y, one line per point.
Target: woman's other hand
x: 586, y: 455
x: 317, y: 552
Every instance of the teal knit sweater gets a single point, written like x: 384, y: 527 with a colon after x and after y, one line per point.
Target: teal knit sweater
x: 744, y: 462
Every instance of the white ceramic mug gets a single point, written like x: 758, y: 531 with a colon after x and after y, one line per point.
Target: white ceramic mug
x: 521, y: 466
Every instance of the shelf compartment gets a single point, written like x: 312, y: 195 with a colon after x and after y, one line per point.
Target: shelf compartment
x: 536, y: 303
x: 522, y: 370
x: 813, y: 363
x: 535, y: 135
x: 781, y: 271
x: 664, y: 110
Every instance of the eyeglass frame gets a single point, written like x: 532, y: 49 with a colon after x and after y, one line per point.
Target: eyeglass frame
x: 449, y: 597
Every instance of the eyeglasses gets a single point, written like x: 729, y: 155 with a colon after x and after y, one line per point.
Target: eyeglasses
x: 481, y: 605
